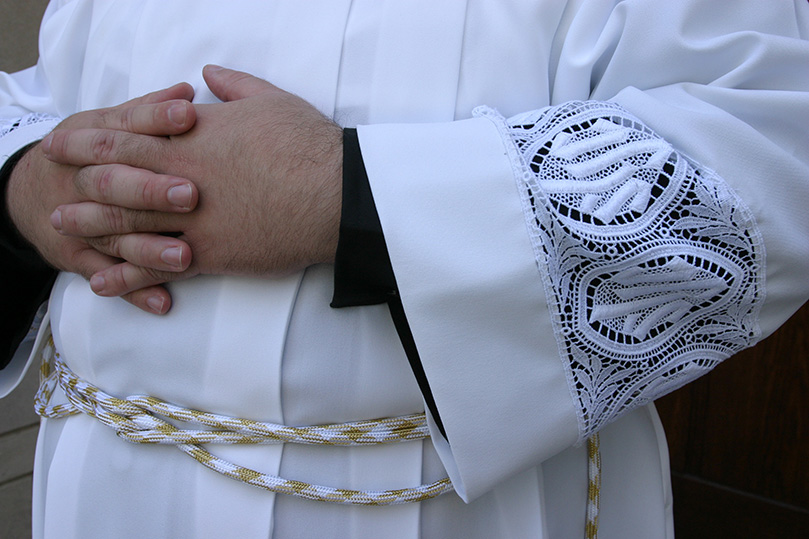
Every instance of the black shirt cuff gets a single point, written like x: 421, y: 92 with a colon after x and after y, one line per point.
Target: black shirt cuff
x: 25, y: 278
x: 363, y: 274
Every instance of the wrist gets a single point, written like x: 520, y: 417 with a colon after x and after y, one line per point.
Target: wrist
x: 330, y: 196
x: 10, y: 184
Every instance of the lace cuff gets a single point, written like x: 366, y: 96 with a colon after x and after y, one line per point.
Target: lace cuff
x: 16, y: 133
x: 9, y: 125
x: 653, y: 267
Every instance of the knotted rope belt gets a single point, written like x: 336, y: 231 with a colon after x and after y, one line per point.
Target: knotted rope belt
x: 136, y: 420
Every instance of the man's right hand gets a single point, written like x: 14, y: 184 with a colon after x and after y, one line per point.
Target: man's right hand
x: 37, y: 186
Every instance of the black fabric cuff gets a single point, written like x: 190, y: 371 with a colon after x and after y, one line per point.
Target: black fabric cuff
x: 363, y: 273
x: 25, y: 278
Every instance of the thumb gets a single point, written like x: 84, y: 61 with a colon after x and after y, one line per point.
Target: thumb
x: 230, y: 85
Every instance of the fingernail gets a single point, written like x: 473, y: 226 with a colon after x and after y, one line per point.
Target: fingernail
x: 178, y: 114
x: 46, y: 143
x: 155, y: 303
x: 56, y: 220
x: 214, y: 67
x: 180, y: 196
x: 173, y: 256
x: 98, y: 283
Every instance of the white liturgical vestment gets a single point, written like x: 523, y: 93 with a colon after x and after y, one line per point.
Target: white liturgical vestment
x: 628, y: 211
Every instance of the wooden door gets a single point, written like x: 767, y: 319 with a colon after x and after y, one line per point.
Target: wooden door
x: 739, y: 442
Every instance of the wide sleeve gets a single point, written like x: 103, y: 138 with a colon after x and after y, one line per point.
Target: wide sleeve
x: 569, y: 264
x: 27, y: 113
x: 28, y: 110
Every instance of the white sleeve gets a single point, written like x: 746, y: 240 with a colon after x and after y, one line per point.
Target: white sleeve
x: 27, y: 114
x: 569, y: 264
x: 27, y: 354
x: 14, y: 135
x: 28, y: 111
x: 25, y: 111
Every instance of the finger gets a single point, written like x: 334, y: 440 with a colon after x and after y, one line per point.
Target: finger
x: 152, y: 299
x: 165, y: 112
x: 153, y: 251
x: 231, y: 85
x: 81, y: 147
x: 166, y: 118
x: 182, y: 90
x: 91, y: 219
x: 124, y: 278
x: 135, y: 188
x: 86, y: 261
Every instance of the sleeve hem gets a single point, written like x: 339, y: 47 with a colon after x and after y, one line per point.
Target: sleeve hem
x: 457, y: 239
x: 23, y: 136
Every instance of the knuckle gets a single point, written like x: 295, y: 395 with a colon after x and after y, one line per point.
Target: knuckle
x: 96, y: 118
x: 136, y: 220
x: 141, y: 277
x: 113, y: 216
x: 126, y: 119
x: 159, y: 113
x: 83, y: 269
x: 82, y: 180
x: 143, y: 253
x: 110, y: 245
x: 103, y: 145
x: 103, y: 182
x: 150, y: 191
x: 79, y: 263
x: 99, y: 244
x: 156, y: 276
x: 118, y: 278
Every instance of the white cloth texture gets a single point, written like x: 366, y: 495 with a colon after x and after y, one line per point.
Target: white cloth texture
x: 726, y: 88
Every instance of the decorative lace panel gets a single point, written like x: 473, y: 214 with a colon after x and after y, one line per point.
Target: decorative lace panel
x: 653, y: 267
x: 9, y: 125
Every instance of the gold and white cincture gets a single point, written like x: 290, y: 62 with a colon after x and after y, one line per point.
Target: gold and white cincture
x: 593, y: 486
x: 136, y: 420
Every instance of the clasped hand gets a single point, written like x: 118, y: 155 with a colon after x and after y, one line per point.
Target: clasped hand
x: 250, y: 186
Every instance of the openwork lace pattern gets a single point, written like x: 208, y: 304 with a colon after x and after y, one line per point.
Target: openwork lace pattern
x: 9, y: 125
x: 653, y: 267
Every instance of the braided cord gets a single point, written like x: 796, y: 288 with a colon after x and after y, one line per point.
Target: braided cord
x: 135, y: 419
x: 593, y: 485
